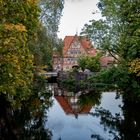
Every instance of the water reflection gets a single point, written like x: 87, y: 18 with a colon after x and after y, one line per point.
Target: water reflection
x: 76, y: 103
x: 127, y: 125
x: 92, y: 114
x: 26, y: 122
x: 69, y: 115
x: 72, y: 114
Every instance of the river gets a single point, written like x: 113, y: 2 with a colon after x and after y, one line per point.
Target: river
x: 55, y: 113
x: 77, y: 116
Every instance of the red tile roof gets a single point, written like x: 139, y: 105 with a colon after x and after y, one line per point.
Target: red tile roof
x: 68, y: 109
x: 64, y: 104
x: 86, y: 109
x: 69, y: 39
x: 85, y: 43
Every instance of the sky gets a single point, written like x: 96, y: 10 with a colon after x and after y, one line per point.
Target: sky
x: 75, y: 14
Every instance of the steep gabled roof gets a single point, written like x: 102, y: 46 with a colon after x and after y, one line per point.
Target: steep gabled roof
x: 64, y: 104
x: 68, y: 109
x: 85, y: 43
x: 69, y: 39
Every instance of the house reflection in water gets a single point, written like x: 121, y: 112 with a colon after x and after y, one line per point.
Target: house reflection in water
x: 69, y: 102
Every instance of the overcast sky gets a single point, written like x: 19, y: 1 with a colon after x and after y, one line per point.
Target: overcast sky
x: 75, y: 14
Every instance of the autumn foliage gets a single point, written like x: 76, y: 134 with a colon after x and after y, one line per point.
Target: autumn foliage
x: 18, y: 22
x: 135, y: 66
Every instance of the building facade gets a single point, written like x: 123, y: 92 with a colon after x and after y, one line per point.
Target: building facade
x: 74, y: 47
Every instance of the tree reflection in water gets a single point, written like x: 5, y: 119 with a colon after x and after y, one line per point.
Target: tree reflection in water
x: 122, y: 127
x: 76, y: 102
x: 26, y: 122
x: 125, y: 126
x: 93, y: 97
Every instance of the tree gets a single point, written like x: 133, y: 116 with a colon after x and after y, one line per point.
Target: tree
x: 41, y: 47
x: 119, y: 34
x: 16, y: 61
x: 90, y: 62
x: 135, y: 66
x: 46, y: 40
x: 50, y: 15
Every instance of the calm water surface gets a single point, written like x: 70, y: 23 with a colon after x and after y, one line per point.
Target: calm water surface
x: 77, y: 116
x: 54, y: 113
